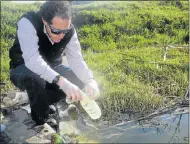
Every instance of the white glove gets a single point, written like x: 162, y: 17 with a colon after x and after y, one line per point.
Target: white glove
x: 92, y: 89
x: 72, y: 91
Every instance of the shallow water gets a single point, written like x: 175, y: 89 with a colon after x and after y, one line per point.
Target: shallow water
x: 167, y: 128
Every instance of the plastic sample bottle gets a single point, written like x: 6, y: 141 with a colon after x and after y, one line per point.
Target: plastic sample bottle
x: 91, y: 107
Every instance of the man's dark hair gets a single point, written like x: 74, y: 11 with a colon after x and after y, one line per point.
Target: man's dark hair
x: 50, y: 9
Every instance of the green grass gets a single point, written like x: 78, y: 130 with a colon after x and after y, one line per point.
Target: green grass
x: 138, y: 80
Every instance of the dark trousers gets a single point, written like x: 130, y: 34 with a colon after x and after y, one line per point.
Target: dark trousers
x: 41, y: 93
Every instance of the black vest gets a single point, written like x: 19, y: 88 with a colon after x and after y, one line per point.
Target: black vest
x: 52, y: 54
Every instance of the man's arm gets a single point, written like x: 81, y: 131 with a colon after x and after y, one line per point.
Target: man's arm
x: 28, y: 40
x: 75, y: 60
x: 80, y: 68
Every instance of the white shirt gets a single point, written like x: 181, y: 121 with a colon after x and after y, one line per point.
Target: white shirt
x: 28, y: 40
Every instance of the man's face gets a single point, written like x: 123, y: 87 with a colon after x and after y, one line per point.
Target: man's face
x: 58, y: 28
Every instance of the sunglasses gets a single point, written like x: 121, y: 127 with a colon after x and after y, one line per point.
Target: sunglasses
x: 57, y: 32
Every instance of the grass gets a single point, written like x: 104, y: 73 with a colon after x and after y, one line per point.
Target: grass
x: 138, y: 80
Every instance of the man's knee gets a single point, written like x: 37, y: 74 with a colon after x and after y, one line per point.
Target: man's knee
x: 33, y: 80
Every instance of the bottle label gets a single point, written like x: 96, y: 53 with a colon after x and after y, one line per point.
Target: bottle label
x: 90, y: 110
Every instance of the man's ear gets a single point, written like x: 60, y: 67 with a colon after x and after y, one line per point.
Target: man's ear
x: 44, y: 21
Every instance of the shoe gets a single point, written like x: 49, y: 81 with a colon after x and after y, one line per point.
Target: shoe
x: 52, y: 109
x: 51, y: 122
x: 39, y: 120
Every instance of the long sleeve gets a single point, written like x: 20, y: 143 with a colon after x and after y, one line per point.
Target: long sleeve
x: 28, y: 40
x: 75, y: 59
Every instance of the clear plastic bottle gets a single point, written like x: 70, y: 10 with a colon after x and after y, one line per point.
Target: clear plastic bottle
x: 91, y: 107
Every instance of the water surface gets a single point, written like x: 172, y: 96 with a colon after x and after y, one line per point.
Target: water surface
x: 167, y: 128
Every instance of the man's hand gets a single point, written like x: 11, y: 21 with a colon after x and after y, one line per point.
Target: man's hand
x: 72, y: 91
x: 92, y: 89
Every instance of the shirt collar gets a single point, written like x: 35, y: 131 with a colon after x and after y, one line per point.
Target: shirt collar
x: 48, y: 35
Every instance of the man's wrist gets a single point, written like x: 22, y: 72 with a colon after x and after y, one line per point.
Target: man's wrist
x: 61, y: 81
x: 56, y: 79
